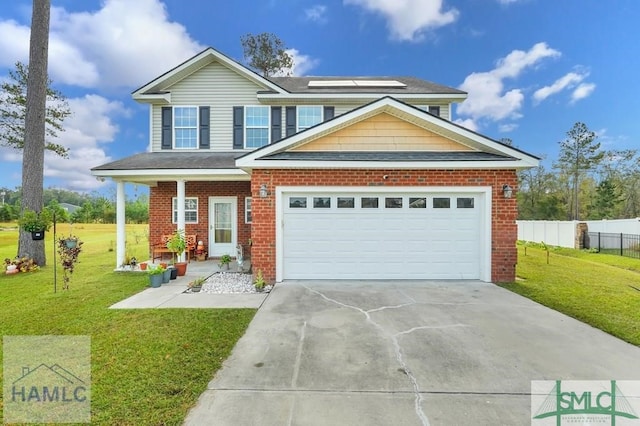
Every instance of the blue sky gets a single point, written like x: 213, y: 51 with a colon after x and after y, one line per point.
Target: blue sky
x: 532, y: 68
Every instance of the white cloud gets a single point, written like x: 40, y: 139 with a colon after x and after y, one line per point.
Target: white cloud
x: 301, y: 63
x: 409, y: 20
x: 90, y: 126
x: 487, y: 97
x: 569, y: 80
x: 467, y: 123
x: 316, y: 13
x: 582, y: 91
x: 508, y: 127
x: 91, y: 49
x: 507, y: 1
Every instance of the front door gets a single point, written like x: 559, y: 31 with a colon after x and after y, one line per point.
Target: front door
x: 223, y: 213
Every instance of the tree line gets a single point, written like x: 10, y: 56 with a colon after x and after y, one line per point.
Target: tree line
x: 93, y: 208
x: 585, y: 182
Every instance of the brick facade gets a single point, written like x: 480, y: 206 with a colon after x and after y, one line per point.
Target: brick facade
x: 161, y: 209
x: 504, y: 211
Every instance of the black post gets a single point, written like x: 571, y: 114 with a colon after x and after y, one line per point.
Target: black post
x: 621, y: 244
x: 599, y: 249
x: 55, y: 274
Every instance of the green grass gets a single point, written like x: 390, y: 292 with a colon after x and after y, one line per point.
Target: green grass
x: 599, y: 289
x: 148, y: 366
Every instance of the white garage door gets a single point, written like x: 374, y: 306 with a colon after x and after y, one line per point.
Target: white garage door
x: 382, y: 235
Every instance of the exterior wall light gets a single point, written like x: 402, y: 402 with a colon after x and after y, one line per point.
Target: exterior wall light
x: 263, y: 191
x: 507, y: 191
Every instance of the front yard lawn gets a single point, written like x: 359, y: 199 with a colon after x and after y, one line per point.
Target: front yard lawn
x: 148, y: 366
x: 599, y: 289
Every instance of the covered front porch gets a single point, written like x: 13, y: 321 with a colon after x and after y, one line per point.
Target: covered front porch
x: 203, y: 194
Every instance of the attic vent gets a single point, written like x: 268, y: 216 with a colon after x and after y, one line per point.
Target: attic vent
x: 356, y: 83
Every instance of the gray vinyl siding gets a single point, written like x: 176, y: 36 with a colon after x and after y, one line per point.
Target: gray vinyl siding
x: 221, y: 89
x: 217, y: 87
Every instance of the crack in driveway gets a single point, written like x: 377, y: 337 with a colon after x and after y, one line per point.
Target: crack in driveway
x: 396, y: 345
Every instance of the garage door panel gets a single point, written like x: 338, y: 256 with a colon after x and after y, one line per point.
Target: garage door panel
x: 382, y: 243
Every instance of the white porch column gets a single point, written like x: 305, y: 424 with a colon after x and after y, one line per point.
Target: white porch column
x: 121, y: 236
x: 180, y: 191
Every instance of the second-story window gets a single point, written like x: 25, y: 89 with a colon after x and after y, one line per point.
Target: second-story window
x: 256, y: 122
x: 185, y: 125
x: 309, y: 116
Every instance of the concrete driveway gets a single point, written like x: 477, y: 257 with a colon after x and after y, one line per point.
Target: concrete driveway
x: 402, y: 353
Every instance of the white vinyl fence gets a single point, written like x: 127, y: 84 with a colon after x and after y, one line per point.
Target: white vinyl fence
x: 563, y: 233
x: 551, y: 232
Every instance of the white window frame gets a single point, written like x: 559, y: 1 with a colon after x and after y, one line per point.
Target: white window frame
x: 248, y: 217
x: 176, y: 127
x: 298, y: 127
x: 247, y: 127
x: 187, y: 209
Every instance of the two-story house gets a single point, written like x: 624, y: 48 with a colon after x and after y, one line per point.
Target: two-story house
x: 328, y: 177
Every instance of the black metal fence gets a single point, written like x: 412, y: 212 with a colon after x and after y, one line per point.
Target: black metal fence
x: 627, y: 245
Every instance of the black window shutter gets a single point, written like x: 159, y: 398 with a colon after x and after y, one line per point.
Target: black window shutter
x: 167, y: 128
x: 276, y: 123
x: 238, y: 127
x: 328, y: 112
x: 205, y: 133
x: 291, y: 120
x: 434, y: 110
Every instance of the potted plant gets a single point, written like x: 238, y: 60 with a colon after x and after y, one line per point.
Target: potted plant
x: 225, y: 259
x: 166, y: 275
x: 196, y: 285
x: 155, y: 275
x: 177, y: 244
x: 36, y: 223
x: 68, y: 258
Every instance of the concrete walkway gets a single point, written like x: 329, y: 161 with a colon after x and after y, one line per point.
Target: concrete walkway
x: 402, y: 353
x: 172, y: 294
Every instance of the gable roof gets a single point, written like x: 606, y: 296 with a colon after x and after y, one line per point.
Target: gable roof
x: 483, y: 152
x: 295, y: 87
x: 155, y: 88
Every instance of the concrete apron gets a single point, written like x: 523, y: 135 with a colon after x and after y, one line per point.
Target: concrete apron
x: 402, y: 353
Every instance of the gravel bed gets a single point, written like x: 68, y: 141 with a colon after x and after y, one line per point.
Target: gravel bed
x: 229, y: 283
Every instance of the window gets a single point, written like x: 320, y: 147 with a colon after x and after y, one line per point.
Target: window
x: 309, y: 116
x: 369, y: 202
x: 417, y: 203
x: 256, y: 121
x: 185, y: 127
x: 321, y: 202
x: 247, y: 210
x: 431, y: 109
x: 441, y: 203
x: 298, y: 202
x: 346, y: 203
x: 393, y: 203
x: 190, y: 210
x: 465, y: 203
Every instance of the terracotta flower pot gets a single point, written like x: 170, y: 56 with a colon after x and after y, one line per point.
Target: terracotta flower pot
x: 143, y: 266
x: 182, y: 268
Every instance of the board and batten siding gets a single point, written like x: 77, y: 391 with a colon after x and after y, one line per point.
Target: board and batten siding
x: 219, y: 88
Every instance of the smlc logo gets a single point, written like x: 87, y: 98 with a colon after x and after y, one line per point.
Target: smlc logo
x: 586, y: 402
x: 48, y: 384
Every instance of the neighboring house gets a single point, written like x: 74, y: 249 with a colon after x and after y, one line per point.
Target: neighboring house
x: 70, y: 208
x: 328, y: 177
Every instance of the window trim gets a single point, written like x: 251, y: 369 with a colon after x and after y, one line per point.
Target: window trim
x: 174, y: 210
x: 248, y: 201
x: 174, y: 127
x: 298, y: 128
x: 246, y: 127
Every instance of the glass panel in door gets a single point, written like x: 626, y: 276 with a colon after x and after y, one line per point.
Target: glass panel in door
x: 223, y: 226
